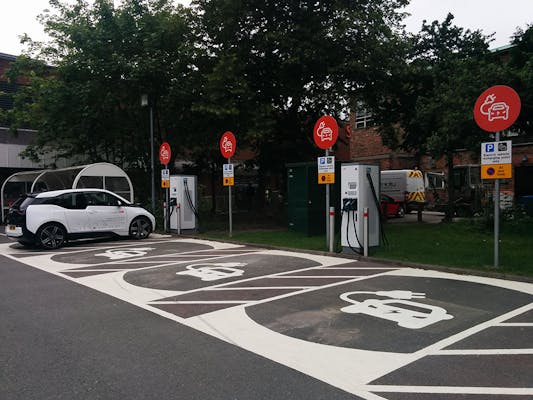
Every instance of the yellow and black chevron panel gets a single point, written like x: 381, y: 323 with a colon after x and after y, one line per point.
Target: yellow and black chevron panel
x: 416, y: 196
x: 415, y: 174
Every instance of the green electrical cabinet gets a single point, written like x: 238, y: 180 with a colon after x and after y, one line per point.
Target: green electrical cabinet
x: 307, y: 199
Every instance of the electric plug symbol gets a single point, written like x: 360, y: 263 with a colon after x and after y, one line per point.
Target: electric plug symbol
x: 397, y: 308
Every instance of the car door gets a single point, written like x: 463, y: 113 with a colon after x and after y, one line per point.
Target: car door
x: 106, y: 214
x: 76, y: 217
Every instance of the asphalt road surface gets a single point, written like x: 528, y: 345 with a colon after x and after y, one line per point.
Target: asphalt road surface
x: 170, y: 318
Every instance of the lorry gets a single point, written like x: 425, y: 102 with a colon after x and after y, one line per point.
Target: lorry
x: 406, y: 186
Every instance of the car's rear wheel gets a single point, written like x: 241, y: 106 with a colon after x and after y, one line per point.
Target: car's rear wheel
x: 51, y: 236
x: 401, y: 212
x: 140, y: 228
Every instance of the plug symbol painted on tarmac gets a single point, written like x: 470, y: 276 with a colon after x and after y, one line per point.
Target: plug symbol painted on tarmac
x: 397, y: 307
x: 213, y: 272
x: 119, y: 254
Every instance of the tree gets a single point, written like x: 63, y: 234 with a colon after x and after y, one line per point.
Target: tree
x: 86, y: 106
x: 428, y: 108
x: 521, y: 66
x: 276, y: 66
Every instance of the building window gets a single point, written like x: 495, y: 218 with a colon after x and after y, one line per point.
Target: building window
x: 363, y: 118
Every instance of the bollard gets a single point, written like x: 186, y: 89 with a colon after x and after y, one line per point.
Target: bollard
x: 365, y: 231
x: 178, y: 210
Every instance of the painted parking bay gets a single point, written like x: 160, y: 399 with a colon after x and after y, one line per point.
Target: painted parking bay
x: 373, y: 330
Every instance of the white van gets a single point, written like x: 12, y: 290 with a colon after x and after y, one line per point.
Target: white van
x: 405, y: 185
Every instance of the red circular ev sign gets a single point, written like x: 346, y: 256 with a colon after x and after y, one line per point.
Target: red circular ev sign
x: 164, y: 153
x: 497, y: 108
x: 325, y: 132
x: 228, y: 145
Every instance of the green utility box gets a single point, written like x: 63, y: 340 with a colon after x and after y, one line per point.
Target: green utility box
x: 307, y: 199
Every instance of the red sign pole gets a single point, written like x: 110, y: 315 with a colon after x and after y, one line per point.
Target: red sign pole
x: 164, y: 157
x: 325, y: 134
x: 496, y: 109
x: 228, y: 146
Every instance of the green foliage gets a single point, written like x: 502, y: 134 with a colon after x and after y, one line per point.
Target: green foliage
x: 87, y: 105
x: 427, y: 104
x: 264, y: 69
x: 275, y: 66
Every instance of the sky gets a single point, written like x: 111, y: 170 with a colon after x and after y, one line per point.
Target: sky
x: 501, y: 17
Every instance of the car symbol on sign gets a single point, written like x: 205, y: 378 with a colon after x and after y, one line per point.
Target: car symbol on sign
x: 498, y: 111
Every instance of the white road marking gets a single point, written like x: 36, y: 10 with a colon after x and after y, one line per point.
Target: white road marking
x: 200, y: 302
x: 346, y: 368
x: 451, y: 390
x: 482, y: 352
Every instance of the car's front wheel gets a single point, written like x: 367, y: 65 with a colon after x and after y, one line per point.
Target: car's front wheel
x: 51, y: 236
x: 140, y: 228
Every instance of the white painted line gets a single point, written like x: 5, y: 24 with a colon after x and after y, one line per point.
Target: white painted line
x: 514, y: 324
x: 434, y: 348
x: 315, y: 276
x: 92, y: 270
x: 450, y: 390
x: 343, y: 268
x: 259, y: 288
x: 482, y: 352
x: 199, y: 302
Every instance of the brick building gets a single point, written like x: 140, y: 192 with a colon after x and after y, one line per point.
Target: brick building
x: 366, y: 146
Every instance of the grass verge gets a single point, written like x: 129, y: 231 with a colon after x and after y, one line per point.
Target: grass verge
x: 465, y: 244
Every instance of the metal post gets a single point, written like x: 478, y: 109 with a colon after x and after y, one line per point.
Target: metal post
x: 152, y: 156
x: 365, y: 231
x: 230, y: 212
x: 497, y: 216
x: 167, y: 201
x: 327, y: 210
x: 165, y: 213
x: 331, y: 229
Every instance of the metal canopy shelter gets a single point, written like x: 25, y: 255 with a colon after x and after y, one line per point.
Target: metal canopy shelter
x: 98, y: 175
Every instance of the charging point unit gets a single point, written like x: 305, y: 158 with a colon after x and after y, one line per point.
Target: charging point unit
x: 183, y: 203
x: 359, y: 191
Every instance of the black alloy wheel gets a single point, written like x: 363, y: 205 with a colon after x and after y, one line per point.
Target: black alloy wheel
x: 140, y: 228
x: 51, y: 236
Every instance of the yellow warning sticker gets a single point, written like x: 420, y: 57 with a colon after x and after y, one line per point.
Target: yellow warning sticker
x: 228, y: 181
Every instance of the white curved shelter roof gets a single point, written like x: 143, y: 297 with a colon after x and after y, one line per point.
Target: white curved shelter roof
x: 99, y: 175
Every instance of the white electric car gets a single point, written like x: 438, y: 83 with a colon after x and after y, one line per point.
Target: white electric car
x: 49, y: 219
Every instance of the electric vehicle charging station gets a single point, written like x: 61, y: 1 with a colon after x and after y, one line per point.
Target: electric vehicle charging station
x: 359, y: 192
x: 183, y: 203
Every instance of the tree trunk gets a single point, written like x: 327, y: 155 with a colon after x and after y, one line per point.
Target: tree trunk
x: 450, y: 210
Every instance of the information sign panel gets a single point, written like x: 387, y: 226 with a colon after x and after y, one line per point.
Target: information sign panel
x: 497, y: 152
x: 497, y: 171
x: 326, y: 170
x: 227, y: 175
x: 165, y: 178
